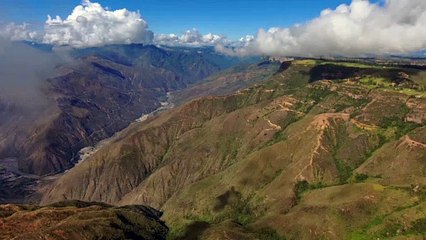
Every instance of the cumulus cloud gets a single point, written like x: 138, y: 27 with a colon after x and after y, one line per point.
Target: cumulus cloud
x: 191, y: 38
x: 19, y: 32
x: 361, y: 28
x: 91, y: 25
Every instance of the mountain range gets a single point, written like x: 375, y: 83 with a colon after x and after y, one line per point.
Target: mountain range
x: 248, y: 149
x: 99, y: 92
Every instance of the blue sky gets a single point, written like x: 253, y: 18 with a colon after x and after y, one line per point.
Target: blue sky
x: 233, y: 18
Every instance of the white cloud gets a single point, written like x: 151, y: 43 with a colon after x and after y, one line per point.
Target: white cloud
x: 235, y: 47
x: 90, y: 24
x: 361, y: 28
x: 18, y: 32
x: 191, y: 38
x: 24, y: 70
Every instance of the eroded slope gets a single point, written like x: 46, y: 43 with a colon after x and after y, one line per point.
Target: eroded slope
x: 279, y: 159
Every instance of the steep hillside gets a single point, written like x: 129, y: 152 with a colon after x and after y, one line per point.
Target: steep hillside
x: 227, y: 82
x: 332, y: 150
x: 80, y: 220
x: 93, y: 97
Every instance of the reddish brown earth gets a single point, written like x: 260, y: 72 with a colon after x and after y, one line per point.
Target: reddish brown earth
x: 79, y: 220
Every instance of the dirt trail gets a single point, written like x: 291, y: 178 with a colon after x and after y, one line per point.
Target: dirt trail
x: 321, y: 123
x: 410, y: 142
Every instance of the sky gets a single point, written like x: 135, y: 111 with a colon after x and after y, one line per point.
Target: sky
x: 305, y: 28
x: 233, y: 18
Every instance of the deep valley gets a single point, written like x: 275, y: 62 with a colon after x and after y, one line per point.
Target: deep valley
x: 318, y: 149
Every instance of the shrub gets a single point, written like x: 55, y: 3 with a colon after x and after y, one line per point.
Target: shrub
x: 360, y: 177
x: 303, y: 186
x: 269, y: 234
x: 419, y: 226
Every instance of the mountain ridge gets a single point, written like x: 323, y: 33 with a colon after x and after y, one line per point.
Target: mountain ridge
x: 137, y: 88
x: 80, y: 220
x: 255, y: 157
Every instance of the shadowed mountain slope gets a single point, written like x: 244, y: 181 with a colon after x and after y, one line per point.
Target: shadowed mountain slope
x: 96, y: 95
x: 80, y: 220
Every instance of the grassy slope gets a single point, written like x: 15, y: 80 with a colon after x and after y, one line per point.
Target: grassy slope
x: 288, y: 158
x: 265, y: 179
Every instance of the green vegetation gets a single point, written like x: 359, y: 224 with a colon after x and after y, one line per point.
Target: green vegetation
x: 347, y: 102
x: 281, y: 135
x: 360, y: 177
x: 238, y: 210
x: 344, y: 170
x: 374, y: 82
x: 312, y: 96
x: 229, y: 146
x: 395, y: 127
x: 387, y: 226
x: 277, y: 174
x: 356, y: 65
x: 419, y: 226
x: 306, y: 62
x: 362, y: 234
x: 268, y: 234
x: 318, y: 93
x: 303, y: 186
x: 412, y: 92
x: 278, y: 137
x: 385, y: 84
